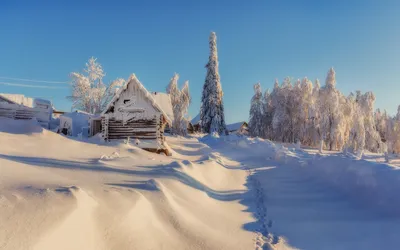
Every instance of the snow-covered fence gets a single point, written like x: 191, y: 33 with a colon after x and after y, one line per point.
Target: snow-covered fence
x: 19, y: 112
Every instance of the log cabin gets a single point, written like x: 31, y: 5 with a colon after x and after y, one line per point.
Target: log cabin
x: 240, y: 128
x: 133, y: 113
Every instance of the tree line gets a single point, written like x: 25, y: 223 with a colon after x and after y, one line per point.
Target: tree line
x: 322, y: 117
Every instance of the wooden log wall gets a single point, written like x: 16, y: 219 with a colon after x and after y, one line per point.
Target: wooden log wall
x: 18, y: 114
x: 135, y: 129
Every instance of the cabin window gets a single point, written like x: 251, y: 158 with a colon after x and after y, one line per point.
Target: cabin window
x: 126, y: 100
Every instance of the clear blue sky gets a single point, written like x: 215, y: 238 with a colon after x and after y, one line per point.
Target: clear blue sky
x: 258, y: 40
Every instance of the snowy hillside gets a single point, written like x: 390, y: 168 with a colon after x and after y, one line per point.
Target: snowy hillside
x: 214, y: 193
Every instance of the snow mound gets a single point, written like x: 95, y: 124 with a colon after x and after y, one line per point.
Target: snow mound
x: 19, y: 126
x: 246, y: 145
x: 79, y: 225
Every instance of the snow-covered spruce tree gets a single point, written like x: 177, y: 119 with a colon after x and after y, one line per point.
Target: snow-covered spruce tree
x: 256, y: 116
x: 180, y: 101
x: 89, y: 93
x: 212, y: 117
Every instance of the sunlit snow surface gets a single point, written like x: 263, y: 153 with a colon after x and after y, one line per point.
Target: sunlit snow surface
x: 225, y: 192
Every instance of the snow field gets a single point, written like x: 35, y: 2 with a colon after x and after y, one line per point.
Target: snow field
x: 227, y: 192
x: 126, y: 198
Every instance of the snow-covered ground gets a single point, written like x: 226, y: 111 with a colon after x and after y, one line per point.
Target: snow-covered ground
x: 213, y: 193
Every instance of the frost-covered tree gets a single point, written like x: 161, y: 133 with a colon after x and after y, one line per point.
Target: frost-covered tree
x: 397, y: 117
x: 329, y: 101
x: 324, y: 117
x: 212, y: 118
x: 305, y: 112
x: 89, y: 93
x: 180, y: 101
x: 393, y: 134
x: 372, y: 138
x: 173, y: 90
x: 174, y: 95
x: 381, y: 120
x: 356, y: 141
x: 296, y: 115
x: 256, y: 116
x: 314, y: 115
x: 281, y: 122
x: 268, y: 115
x: 184, y: 107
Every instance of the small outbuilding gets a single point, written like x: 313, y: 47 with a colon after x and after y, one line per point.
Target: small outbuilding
x: 20, y: 107
x: 195, y: 124
x: 135, y: 114
x: 238, y: 128
x: 75, y: 123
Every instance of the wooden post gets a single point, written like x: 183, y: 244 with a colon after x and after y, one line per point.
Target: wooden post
x: 104, y: 128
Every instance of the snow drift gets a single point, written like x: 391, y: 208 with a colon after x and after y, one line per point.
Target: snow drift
x: 19, y: 126
x: 377, y: 184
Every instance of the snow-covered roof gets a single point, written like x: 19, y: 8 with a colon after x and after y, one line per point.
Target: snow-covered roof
x: 44, y: 101
x: 164, y: 101
x: 19, y: 99
x: 23, y: 100
x: 235, y: 126
x: 133, y: 80
x: 196, y: 119
x: 78, y: 113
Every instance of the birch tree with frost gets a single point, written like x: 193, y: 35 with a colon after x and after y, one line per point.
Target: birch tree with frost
x: 180, y: 101
x: 89, y: 93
